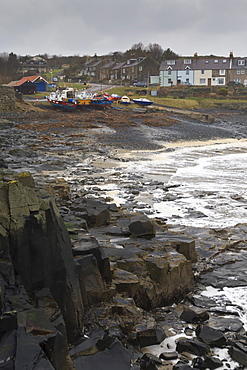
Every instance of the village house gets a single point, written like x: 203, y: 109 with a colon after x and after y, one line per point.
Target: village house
x: 35, y: 64
x: 203, y: 71
x: 116, y: 72
x: 238, y: 71
x: 139, y: 69
x: 106, y: 71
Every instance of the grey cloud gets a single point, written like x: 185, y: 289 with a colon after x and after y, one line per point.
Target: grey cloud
x: 79, y: 27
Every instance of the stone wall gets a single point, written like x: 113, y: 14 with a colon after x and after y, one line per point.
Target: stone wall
x: 7, y: 98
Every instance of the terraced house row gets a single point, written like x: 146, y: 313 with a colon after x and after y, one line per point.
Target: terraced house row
x: 203, y: 71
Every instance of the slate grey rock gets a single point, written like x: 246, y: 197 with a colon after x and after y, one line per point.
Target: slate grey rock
x: 194, y: 315
x: 211, y: 336
x: 193, y: 346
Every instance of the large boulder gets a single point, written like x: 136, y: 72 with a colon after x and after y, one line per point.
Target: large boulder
x: 142, y: 226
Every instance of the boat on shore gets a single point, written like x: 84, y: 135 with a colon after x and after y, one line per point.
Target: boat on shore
x: 101, y: 100
x: 64, y: 99
x: 143, y: 101
x: 125, y: 100
x: 83, y: 98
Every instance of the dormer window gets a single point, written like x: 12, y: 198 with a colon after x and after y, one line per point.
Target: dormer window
x: 216, y: 61
x: 241, y: 62
x: 171, y: 62
x: 187, y: 61
x: 224, y: 60
x: 206, y: 61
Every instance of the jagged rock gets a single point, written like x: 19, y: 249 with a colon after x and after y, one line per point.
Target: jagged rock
x: 198, y: 362
x: 8, y: 321
x: 8, y: 348
x: 89, y: 245
x: 238, y: 355
x: 141, y: 226
x: 126, y: 282
x: 90, y: 279
x: 193, y: 346
x: 159, y: 278
x: 150, y: 362
x: 29, y: 353
x: 194, y: 316
x: 211, y: 336
x: 183, y: 245
x: 182, y: 366
x: 225, y: 324
x: 149, y: 333
x: 95, y: 212
x: 40, y: 247
x: 212, y: 362
x: 113, y: 357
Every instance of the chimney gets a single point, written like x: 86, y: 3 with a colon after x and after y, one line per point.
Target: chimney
x: 195, y: 56
x: 231, y: 55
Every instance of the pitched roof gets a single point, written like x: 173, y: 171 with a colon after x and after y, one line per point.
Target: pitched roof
x: 198, y: 63
x: 134, y: 62
x: 26, y: 79
x: 108, y: 65
x: 118, y: 65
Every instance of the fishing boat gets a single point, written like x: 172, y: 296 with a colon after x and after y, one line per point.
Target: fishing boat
x: 143, y: 101
x: 125, y: 100
x: 101, y: 100
x: 83, y: 98
x: 115, y: 97
x: 64, y: 99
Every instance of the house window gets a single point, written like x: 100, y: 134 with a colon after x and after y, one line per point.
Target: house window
x: 171, y: 62
x: 169, y: 80
x: 238, y: 72
x: 187, y: 72
x: 202, y: 71
x: 222, y: 72
x: 242, y: 71
x: 133, y: 69
x: 221, y: 81
x: 169, y: 72
x: 140, y: 68
x: 187, y: 61
x: 202, y: 81
x: 123, y: 70
x: 241, y: 62
x: 128, y: 77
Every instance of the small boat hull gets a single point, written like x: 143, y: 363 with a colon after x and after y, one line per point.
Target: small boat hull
x: 143, y: 102
x: 63, y: 104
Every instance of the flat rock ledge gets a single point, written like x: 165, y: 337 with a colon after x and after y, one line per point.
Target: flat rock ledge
x: 76, y: 284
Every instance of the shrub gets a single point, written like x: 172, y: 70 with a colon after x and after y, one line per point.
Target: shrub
x: 223, y: 91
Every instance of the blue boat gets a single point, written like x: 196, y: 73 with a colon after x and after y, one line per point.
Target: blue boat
x: 142, y: 101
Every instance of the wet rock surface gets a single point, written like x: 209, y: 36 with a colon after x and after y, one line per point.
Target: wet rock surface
x: 126, y: 279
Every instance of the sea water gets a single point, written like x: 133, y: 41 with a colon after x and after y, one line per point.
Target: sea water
x: 200, y: 186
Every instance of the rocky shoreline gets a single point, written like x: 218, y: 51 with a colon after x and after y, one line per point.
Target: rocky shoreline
x: 108, y: 279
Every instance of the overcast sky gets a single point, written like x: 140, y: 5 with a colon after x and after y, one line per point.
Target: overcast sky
x: 80, y: 27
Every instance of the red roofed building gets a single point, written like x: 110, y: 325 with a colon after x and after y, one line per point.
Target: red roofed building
x: 29, y: 85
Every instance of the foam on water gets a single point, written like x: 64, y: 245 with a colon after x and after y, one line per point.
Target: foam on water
x: 207, y: 184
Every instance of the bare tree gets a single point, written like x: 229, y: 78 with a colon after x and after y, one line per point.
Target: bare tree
x: 156, y: 51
